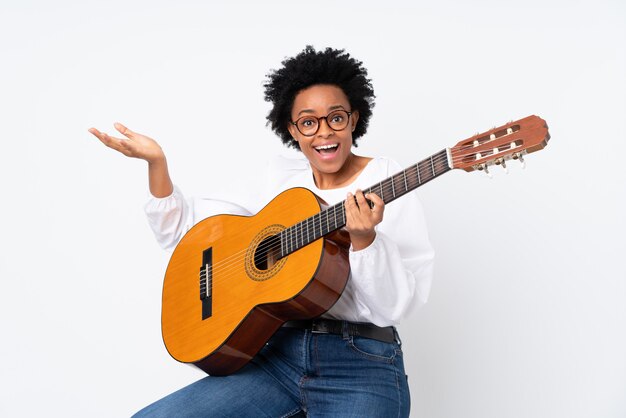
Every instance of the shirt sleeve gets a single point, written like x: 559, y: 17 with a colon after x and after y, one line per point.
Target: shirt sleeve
x: 393, y: 275
x: 172, y: 216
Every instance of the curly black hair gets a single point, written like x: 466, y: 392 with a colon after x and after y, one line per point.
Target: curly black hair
x: 308, y: 68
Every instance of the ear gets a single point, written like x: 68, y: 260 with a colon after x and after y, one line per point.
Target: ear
x: 354, y: 118
x: 293, y: 131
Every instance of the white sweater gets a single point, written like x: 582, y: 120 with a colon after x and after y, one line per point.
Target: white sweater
x: 388, y: 279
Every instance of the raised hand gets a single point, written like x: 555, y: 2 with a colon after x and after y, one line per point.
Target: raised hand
x: 361, y: 219
x: 140, y: 146
x: 134, y: 145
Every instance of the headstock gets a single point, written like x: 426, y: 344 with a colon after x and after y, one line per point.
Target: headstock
x: 498, y: 145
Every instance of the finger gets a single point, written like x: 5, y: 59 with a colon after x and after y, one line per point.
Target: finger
x: 102, y: 136
x: 109, y: 141
x: 361, y: 201
x: 350, y: 201
x: 95, y: 133
x: 124, y: 130
x: 379, y: 204
x: 378, y: 209
x: 351, y: 210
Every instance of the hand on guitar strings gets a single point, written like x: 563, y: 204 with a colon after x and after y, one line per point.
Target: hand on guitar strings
x: 361, y: 218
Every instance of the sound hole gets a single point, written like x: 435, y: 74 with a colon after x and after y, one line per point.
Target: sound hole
x: 267, y: 253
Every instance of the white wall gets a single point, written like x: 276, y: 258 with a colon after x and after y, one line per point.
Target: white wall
x: 527, y: 314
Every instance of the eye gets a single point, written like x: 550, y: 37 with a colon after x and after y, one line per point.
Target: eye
x: 336, y: 118
x: 307, y: 122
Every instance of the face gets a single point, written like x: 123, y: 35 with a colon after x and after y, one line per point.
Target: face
x: 327, y: 150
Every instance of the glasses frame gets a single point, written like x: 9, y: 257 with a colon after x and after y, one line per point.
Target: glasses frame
x: 319, y: 122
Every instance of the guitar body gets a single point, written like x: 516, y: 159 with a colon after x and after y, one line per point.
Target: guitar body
x: 251, y: 294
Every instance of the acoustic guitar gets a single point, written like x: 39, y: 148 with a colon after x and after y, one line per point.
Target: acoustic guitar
x: 232, y: 281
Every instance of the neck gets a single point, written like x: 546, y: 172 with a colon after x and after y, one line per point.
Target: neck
x: 350, y: 169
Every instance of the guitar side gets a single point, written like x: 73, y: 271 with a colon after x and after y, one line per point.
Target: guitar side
x: 249, y: 300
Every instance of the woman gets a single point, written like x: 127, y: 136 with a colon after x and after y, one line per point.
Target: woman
x: 322, y: 104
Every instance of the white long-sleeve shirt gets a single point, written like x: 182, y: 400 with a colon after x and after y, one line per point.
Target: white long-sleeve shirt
x: 387, y: 279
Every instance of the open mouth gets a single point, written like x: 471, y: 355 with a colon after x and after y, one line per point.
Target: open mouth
x: 327, y: 149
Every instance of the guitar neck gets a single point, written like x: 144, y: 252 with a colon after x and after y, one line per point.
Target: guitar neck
x: 334, y: 217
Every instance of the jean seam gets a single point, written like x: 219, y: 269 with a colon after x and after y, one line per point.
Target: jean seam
x: 316, y: 362
x: 395, y: 371
x: 303, y: 399
x: 373, y: 357
x: 291, y: 413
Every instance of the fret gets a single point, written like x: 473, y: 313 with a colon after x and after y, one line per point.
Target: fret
x: 327, y: 221
x: 297, y: 244
x: 342, y: 212
x: 291, y: 246
x: 308, y: 239
x: 342, y: 204
x: 319, y: 216
x: 406, y: 185
x: 417, y: 170
x: 393, y: 189
x: 298, y: 235
x: 432, y: 165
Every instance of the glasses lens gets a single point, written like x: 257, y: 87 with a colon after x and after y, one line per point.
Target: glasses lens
x: 307, y: 125
x: 337, y: 120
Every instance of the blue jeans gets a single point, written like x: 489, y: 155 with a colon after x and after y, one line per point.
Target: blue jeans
x: 300, y: 373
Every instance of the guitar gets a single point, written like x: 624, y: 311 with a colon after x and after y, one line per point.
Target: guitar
x: 232, y: 281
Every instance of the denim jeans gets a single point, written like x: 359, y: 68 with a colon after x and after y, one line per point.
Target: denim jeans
x: 299, y: 373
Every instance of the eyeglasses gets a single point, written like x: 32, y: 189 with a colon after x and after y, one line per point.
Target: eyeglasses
x: 336, y: 120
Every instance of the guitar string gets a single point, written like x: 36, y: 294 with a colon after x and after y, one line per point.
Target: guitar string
x: 235, y: 258
x: 306, y: 223
x: 437, y: 159
x: 386, y: 190
x: 225, y: 266
x: 223, y: 272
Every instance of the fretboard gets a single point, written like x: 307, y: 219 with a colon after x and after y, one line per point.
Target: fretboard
x: 334, y: 217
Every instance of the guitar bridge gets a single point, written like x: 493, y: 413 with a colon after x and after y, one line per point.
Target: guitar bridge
x: 206, y: 283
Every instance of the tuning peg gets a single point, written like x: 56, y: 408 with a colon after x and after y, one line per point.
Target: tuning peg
x: 520, y: 157
x: 502, y: 162
x: 486, y: 168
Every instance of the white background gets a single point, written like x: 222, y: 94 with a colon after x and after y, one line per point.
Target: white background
x: 527, y: 315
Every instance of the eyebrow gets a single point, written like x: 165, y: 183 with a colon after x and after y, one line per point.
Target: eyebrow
x: 330, y: 109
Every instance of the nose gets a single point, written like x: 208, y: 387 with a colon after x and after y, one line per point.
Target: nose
x: 324, y: 129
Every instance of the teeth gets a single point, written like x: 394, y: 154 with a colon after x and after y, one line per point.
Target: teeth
x: 326, y: 146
